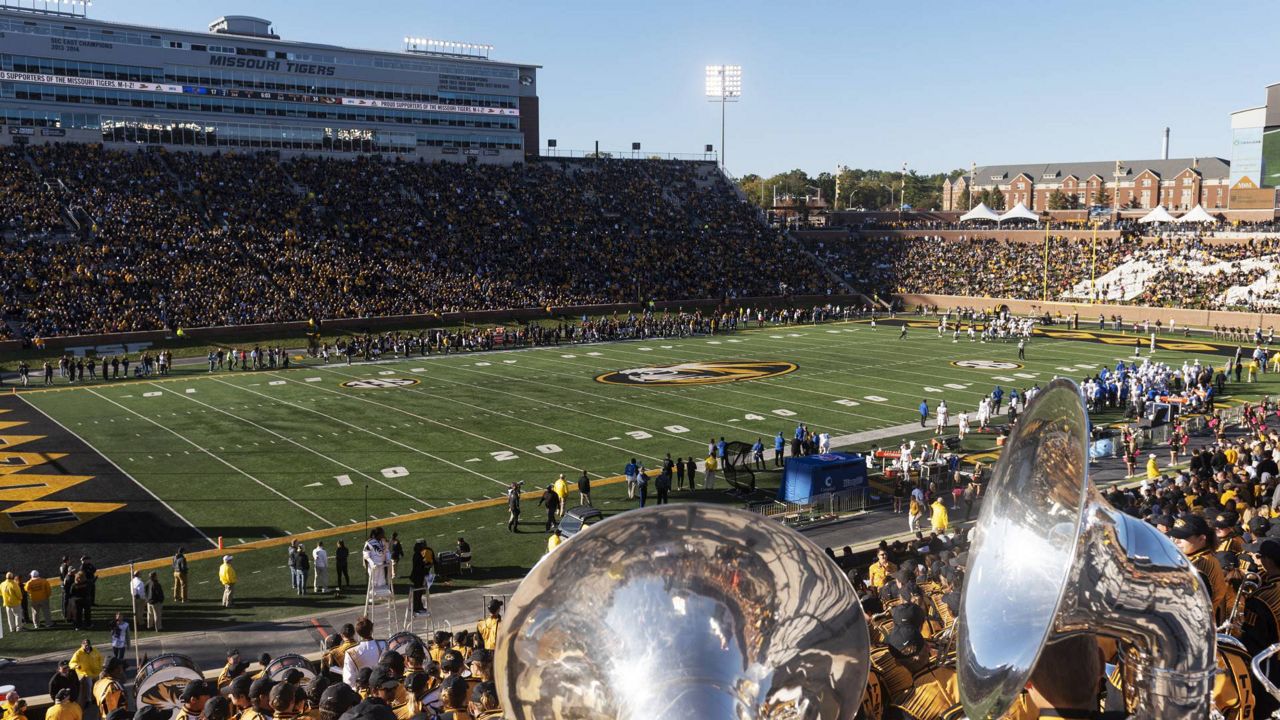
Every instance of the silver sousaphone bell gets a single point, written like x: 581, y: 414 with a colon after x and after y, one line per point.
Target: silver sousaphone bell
x: 684, y: 611
x: 1053, y: 558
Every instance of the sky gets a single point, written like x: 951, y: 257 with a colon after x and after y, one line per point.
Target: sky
x: 935, y: 84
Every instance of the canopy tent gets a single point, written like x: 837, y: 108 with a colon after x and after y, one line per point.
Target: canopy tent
x: 1020, y: 212
x: 981, y: 212
x: 1158, y: 215
x: 1198, y: 215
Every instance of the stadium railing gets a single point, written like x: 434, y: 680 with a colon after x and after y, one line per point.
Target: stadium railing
x: 554, y: 153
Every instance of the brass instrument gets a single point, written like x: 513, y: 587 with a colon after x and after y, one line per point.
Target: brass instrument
x: 1234, y: 622
x: 1053, y: 558
x: 684, y: 611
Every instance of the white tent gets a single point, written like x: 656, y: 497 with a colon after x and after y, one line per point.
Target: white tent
x: 1020, y: 212
x: 981, y: 212
x: 1198, y: 215
x: 1158, y: 215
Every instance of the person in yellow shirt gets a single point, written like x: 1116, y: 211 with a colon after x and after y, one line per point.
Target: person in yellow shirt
x: 939, y: 517
x: 86, y: 661
x: 561, y: 487
x: 1253, y: 371
x: 881, y: 570
x: 710, y: 465
x: 64, y: 708
x: 15, y: 708
x: 39, y: 591
x: 488, y: 627
x: 227, y: 576
x: 11, y: 598
x: 1153, y: 470
x: 554, y: 540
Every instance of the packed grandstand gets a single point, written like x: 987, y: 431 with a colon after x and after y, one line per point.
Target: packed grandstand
x: 103, y: 241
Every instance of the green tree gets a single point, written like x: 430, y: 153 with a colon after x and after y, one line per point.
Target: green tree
x: 992, y: 197
x: 1059, y: 200
x: 1101, y: 197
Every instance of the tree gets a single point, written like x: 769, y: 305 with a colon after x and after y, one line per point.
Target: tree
x: 1059, y: 200
x: 992, y: 197
x: 1101, y: 197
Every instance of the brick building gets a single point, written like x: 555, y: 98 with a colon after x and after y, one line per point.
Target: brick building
x: 1177, y: 184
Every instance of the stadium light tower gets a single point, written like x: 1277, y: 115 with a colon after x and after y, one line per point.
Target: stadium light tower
x: 724, y: 85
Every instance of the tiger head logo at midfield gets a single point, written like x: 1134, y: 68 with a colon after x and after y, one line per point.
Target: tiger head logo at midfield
x: 698, y: 373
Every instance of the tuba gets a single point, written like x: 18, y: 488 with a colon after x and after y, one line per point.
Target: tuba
x: 684, y: 611
x: 1052, y: 558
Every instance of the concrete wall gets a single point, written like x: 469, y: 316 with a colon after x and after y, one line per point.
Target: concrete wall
x: 1089, y: 313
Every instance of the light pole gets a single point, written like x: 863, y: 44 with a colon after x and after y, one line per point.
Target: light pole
x: 902, y: 200
x: 888, y: 187
x: 724, y: 85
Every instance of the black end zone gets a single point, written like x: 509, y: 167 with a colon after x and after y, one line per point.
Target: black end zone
x: 60, y: 497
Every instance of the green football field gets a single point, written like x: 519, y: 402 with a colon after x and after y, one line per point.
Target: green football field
x: 245, y: 455
x: 428, y: 445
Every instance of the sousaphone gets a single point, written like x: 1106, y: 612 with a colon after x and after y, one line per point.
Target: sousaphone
x: 1053, y: 558
x: 684, y: 611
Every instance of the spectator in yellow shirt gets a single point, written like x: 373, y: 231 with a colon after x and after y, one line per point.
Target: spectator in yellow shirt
x: 554, y: 541
x: 1153, y: 470
x: 64, y: 708
x: 87, y: 662
x: 710, y: 465
x: 561, y: 487
x: 39, y: 591
x: 227, y: 576
x: 488, y: 627
x: 881, y: 570
x: 939, y: 518
x: 11, y: 597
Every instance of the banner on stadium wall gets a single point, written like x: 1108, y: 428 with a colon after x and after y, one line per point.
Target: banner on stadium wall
x: 429, y: 107
x: 87, y: 82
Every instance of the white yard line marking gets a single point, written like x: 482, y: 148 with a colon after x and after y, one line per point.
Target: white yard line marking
x: 317, y: 453
x: 122, y: 471
x: 499, y: 413
x: 215, y: 456
x: 333, y: 418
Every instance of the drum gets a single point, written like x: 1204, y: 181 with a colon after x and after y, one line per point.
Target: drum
x: 402, y: 641
x: 279, y: 668
x: 161, y: 681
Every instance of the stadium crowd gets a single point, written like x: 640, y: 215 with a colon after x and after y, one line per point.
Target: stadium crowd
x: 153, y: 240
x: 1220, y: 506
x: 1184, y: 272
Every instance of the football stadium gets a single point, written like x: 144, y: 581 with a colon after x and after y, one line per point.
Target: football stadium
x: 332, y: 386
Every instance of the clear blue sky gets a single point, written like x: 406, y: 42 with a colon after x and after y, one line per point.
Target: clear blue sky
x: 936, y: 84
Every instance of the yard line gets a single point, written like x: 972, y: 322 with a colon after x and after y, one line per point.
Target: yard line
x: 511, y: 416
x: 304, y: 447
x: 410, y: 448
x: 213, y: 455
x: 122, y: 472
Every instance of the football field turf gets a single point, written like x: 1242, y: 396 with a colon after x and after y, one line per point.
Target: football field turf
x: 137, y: 467
x: 247, y: 455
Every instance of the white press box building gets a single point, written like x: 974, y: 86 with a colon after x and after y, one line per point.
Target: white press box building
x: 65, y: 77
